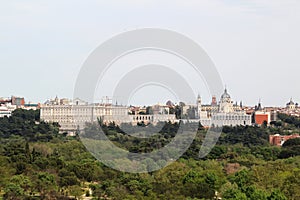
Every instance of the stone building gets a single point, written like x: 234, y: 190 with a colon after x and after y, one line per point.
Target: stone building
x: 73, y: 115
x: 219, y: 114
x: 291, y: 106
x: 229, y: 114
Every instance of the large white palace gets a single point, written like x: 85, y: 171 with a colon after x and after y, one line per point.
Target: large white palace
x: 73, y: 115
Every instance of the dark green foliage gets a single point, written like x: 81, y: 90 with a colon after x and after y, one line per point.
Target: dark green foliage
x: 289, y: 119
x: 38, y: 163
x: 290, y: 152
x: 246, y: 135
x: 26, y: 123
x: 277, y: 195
x: 13, y: 191
x: 290, y: 148
x: 292, y: 142
x: 242, y: 180
x: 234, y: 194
x: 27, y: 115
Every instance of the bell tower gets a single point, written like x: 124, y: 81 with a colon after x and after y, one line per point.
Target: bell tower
x: 199, y: 102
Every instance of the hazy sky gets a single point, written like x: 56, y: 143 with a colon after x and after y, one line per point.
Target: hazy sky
x: 255, y: 44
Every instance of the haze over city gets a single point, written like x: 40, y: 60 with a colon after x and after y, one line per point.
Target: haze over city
x: 253, y: 44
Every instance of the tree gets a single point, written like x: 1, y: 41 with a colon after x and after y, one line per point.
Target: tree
x: 234, y: 194
x: 198, y: 186
x: 75, y: 191
x: 291, y: 184
x: 242, y: 179
x: 292, y: 142
x: 45, y: 184
x: 253, y: 193
x: 13, y: 191
x: 23, y: 181
x: 277, y: 195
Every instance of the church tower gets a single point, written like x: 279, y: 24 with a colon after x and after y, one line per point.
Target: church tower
x: 200, y: 114
x: 199, y: 102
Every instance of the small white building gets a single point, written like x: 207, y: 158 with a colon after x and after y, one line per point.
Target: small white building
x: 4, y: 112
x: 6, y: 109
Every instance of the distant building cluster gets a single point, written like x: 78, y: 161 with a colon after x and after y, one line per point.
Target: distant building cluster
x: 74, y: 114
x: 9, y: 104
x: 291, y: 108
x: 223, y: 113
x: 268, y: 114
x: 262, y: 115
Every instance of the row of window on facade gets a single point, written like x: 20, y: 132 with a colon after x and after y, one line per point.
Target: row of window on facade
x: 231, y: 117
x: 143, y: 118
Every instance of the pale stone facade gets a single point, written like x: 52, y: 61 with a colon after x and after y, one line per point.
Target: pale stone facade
x: 70, y: 117
x: 74, y: 115
x: 223, y: 114
x: 230, y: 115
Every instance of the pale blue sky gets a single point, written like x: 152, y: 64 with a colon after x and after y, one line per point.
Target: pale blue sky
x: 255, y: 44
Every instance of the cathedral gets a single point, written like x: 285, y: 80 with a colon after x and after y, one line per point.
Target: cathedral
x: 223, y: 113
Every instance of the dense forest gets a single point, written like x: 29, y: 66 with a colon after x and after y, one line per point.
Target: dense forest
x: 36, y: 162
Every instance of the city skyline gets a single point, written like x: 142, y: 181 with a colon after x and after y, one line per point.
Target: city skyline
x: 114, y: 101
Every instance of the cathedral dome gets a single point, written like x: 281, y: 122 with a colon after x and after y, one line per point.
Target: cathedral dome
x: 225, y: 95
x: 291, y: 103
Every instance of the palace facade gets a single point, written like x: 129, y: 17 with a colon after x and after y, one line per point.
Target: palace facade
x: 73, y: 115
